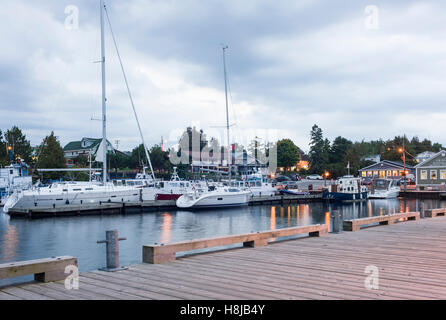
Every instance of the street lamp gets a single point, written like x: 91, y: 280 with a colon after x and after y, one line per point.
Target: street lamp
x: 326, y: 175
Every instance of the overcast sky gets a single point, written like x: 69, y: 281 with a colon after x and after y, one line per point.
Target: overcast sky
x: 357, y: 71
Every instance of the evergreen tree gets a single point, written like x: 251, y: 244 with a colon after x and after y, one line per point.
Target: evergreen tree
x: 319, y: 151
x: 50, y: 155
x: 21, y: 147
x: 4, y: 158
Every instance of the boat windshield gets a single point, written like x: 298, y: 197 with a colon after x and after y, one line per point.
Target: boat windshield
x: 381, y: 184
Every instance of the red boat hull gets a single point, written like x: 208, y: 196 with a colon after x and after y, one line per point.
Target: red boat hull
x: 167, y: 196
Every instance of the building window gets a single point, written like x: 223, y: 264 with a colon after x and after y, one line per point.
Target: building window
x: 433, y: 174
x: 395, y: 173
x: 443, y: 174
x: 423, y: 174
x: 375, y: 173
x: 364, y: 174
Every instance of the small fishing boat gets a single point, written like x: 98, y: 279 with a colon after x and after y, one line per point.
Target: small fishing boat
x: 346, y: 189
x: 384, y: 189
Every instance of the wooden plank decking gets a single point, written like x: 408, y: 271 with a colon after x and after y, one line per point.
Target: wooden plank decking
x: 410, y: 256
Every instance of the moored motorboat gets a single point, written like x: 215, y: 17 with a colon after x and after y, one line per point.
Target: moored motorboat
x: 257, y: 183
x: 346, y: 189
x: 220, y: 197
x: 384, y: 189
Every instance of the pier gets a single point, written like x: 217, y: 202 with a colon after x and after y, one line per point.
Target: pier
x: 409, y: 256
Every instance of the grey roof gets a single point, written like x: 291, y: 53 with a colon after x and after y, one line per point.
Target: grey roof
x: 430, y: 159
x: 388, y: 162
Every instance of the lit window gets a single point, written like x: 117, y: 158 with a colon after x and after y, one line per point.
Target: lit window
x: 423, y: 174
x: 375, y: 173
x: 395, y: 173
x: 369, y: 173
x: 364, y: 174
x: 443, y: 174
x: 389, y: 173
x: 433, y: 174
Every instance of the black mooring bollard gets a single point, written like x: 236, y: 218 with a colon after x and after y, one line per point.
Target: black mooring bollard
x: 112, y: 251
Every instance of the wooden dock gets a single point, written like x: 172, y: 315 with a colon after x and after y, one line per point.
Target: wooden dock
x: 410, y: 257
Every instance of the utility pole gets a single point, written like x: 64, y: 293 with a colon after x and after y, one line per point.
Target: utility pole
x: 404, y: 162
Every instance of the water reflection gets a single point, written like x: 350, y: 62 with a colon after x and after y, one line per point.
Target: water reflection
x: 10, y: 243
x: 166, y: 228
x: 272, y: 219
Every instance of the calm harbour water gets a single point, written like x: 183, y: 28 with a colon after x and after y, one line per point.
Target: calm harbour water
x: 23, y: 239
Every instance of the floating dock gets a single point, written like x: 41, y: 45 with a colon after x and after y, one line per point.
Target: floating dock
x: 423, y: 194
x: 408, y: 259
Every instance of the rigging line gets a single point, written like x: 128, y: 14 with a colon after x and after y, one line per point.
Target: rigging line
x: 129, y: 92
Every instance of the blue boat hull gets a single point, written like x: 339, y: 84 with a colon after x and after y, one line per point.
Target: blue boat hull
x: 345, y: 197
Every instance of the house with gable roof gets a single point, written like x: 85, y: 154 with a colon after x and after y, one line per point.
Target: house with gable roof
x: 432, y: 172
x: 386, y: 169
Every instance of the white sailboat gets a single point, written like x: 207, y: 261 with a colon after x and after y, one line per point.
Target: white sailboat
x: 219, y: 196
x: 82, y: 196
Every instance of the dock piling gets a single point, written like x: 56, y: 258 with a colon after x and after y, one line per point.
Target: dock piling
x: 337, y: 221
x: 112, y: 251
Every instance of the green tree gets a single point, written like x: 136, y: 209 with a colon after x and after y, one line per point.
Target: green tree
x: 4, y: 159
x: 21, y: 147
x: 159, y: 159
x: 319, y: 151
x: 337, y: 154
x: 50, y: 155
x: 287, y: 154
x: 119, y: 160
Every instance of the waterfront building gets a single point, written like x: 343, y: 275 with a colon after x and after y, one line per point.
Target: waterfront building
x: 386, y: 169
x: 75, y: 149
x: 432, y: 172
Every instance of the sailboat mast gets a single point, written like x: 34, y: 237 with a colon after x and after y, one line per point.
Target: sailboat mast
x: 227, y: 118
x: 104, y: 99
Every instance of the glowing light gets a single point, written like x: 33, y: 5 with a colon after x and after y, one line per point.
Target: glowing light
x: 273, y: 218
x: 166, y: 228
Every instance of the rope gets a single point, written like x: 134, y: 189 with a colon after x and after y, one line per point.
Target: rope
x: 129, y: 92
